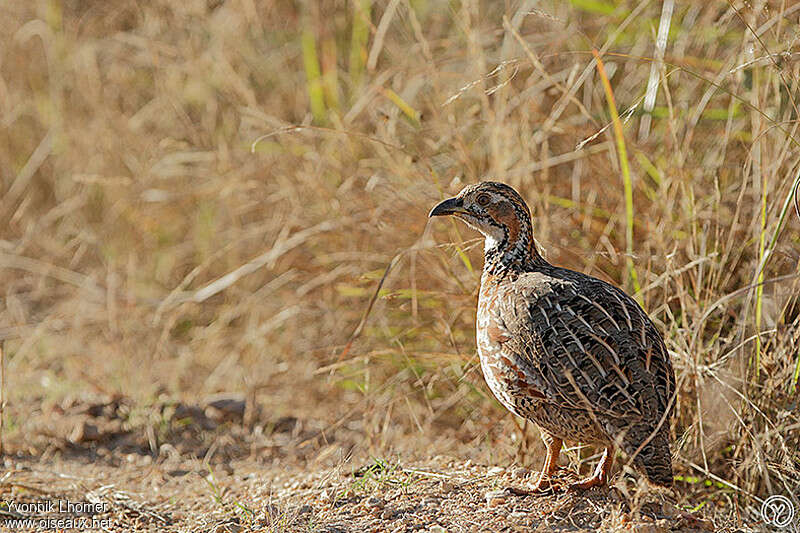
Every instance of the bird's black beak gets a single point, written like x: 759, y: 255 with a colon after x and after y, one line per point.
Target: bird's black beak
x: 448, y: 207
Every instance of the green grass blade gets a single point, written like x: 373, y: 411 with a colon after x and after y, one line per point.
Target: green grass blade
x: 330, y: 73
x: 411, y: 114
x: 622, y: 152
x: 313, y: 75
x: 787, y: 202
x: 594, y: 6
x: 765, y: 252
x: 358, y: 42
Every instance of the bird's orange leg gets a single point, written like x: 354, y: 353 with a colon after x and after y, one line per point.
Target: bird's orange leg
x: 550, y: 465
x: 601, y: 473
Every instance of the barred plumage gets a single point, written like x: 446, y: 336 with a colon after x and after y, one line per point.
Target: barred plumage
x: 573, y: 354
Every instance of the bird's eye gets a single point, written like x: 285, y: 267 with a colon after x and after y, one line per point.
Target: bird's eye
x: 483, y: 199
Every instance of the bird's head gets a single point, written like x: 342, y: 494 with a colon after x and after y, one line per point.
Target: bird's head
x: 494, y: 209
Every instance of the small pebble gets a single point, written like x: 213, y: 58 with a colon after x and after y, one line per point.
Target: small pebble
x: 495, y: 498
x: 375, y: 502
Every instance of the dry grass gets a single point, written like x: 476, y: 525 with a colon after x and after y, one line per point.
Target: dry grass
x: 201, y: 196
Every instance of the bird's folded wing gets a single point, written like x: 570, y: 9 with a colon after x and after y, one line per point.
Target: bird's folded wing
x: 589, y: 348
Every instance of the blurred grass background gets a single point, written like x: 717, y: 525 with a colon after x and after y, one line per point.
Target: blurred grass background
x: 201, y: 196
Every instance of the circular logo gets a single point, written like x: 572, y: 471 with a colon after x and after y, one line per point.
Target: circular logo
x: 777, y: 511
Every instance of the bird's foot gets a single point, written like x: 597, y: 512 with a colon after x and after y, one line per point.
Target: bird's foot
x: 519, y: 491
x: 545, y: 485
x: 539, y: 488
x: 588, y: 483
x: 542, y: 486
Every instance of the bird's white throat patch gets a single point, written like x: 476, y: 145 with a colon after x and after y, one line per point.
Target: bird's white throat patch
x: 493, y: 237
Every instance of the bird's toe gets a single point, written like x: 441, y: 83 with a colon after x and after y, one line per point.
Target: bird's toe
x: 588, y: 483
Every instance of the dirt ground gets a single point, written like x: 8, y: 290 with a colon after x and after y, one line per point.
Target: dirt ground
x: 217, y: 471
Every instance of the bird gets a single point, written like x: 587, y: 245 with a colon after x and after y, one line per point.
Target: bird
x: 573, y: 354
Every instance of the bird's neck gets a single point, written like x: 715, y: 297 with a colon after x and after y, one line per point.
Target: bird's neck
x: 512, y: 252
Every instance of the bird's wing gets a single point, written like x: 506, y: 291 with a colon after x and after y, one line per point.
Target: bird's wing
x: 587, y: 345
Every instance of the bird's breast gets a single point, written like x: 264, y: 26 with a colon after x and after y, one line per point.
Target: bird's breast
x: 502, y: 368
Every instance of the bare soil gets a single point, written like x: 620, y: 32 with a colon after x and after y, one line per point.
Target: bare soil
x: 217, y: 471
